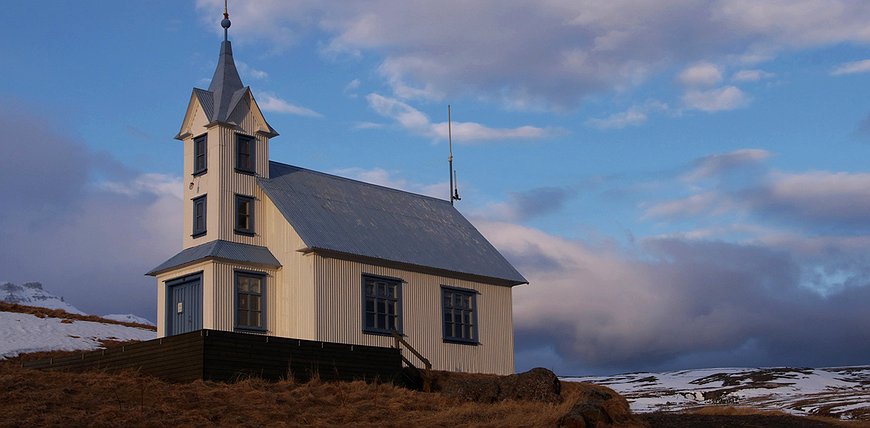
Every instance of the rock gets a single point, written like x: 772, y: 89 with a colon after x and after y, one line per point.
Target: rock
x: 538, y: 384
x: 598, y: 406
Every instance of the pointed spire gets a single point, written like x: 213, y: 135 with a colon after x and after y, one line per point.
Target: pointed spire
x: 226, y: 81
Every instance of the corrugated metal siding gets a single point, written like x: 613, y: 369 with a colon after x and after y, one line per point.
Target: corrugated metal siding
x: 339, y: 304
x: 199, y: 185
x: 207, y: 270
x: 223, y: 296
x: 221, y: 182
x: 295, y: 313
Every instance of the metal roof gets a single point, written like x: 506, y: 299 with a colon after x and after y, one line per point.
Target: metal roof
x: 225, y: 90
x: 225, y: 83
x: 219, y: 249
x: 346, y: 216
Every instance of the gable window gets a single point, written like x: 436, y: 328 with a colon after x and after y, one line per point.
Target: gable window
x: 459, y: 309
x: 199, y: 216
x: 200, y: 163
x: 244, y: 215
x: 245, y: 160
x: 382, y: 304
x: 250, y: 289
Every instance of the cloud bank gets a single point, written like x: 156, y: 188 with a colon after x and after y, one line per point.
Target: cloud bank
x: 431, y: 50
x: 88, y: 239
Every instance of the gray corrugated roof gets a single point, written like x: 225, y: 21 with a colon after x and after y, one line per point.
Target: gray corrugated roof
x: 219, y: 249
x: 225, y: 83
x: 347, y: 216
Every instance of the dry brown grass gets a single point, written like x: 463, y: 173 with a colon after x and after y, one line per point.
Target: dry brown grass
x: 746, y: 411
x: 38, y: 398
x: 59, y: 313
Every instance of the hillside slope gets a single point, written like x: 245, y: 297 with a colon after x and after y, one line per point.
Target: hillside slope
x: 22, y: 332
x: 842, y: 392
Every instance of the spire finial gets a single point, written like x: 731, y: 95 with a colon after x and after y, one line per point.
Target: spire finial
x: 226, y: 21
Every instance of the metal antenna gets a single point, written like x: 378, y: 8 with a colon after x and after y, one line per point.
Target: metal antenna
x: 454, y: 184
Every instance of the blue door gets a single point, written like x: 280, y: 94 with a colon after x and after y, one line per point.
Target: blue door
x: 184, y: 304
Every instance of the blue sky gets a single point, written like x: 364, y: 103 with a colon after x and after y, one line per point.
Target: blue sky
x: 683, y: 182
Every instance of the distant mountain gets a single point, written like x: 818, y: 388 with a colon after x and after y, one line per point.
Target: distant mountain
x: 840, y: 392
x: 127, y: 318
x: 32, y: 294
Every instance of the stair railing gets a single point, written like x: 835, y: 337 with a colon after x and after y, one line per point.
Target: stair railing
x: 426, y: 374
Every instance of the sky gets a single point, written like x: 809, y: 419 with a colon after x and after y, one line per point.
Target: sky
x: 683, y: 182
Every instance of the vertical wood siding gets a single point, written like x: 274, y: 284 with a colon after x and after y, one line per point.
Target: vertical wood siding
x: 223, y: 296
x: 221, y: 182
x: 339, y: 303
x: 295, y: 313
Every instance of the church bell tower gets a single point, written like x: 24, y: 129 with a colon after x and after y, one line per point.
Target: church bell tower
x: 226, y: 149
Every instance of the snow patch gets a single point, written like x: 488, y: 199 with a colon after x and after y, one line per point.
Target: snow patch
x: 25, y: 333
x: 840, y: 391
x: 128, y: 318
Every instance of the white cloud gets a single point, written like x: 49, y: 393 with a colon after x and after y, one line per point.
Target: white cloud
x: 855, y: 67
x: 148, y: 183
x: 417, y: 122
x: 389, y: 179
x: 351, y: 87
x: 630, y: 117
x: 271, y: 103
x: 713, y: 166
x: 753, y: 75
x: 636, y: 115
x: 701, y: 74
x: 435, y: 49
x: 719, y: 99
x: 248, y: 71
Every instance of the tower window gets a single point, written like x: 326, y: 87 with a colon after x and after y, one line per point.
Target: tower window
x: 244, y: 215
x: 245, y: 156
x: 200, y: 162
x: 199, y: 222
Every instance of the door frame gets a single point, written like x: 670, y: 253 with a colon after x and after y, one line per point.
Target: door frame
x: 169, y: 305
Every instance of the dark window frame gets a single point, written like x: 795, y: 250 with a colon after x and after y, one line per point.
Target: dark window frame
x: 249, y: 230
x: 370, y: 325
x: 197, y: 232
x: 249, y: 167
x: 200, y: 152
x: 449, y: 327
x: 247, y: 326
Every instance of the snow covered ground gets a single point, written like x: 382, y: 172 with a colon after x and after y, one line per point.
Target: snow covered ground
x: 24, y: 333
x: 842, y: 392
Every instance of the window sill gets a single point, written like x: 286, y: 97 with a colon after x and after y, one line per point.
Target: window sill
x: 241, y: 329
x: 246, y: 171
x: 198, y: 173
x: 243, y: 232
x: 461, y: 342
x: 198, y: 235
x: 381, y: 333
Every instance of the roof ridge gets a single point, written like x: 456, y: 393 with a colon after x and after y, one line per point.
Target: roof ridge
x: 360, y: 181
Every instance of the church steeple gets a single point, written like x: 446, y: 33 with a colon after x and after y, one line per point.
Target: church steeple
x: 226, y: 85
